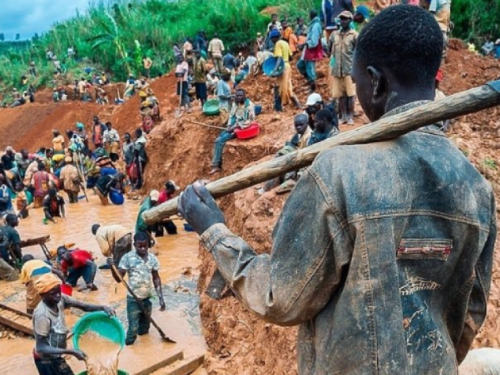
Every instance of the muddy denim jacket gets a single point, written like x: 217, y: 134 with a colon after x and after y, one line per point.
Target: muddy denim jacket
x: 383, y: 255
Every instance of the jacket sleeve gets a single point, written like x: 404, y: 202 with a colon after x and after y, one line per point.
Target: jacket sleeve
x: 315, y: 36
x: 478, y: 300
x: 298, y: 278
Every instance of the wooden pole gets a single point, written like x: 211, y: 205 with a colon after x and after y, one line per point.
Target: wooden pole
x: 387, y: 128
x: 206, y: 125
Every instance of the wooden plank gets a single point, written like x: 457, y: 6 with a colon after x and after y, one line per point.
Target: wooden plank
x: 387, y: 128
x: 176, y: 356
x: 18, y: 312
x: 184, y: 367
x: 35, y: 241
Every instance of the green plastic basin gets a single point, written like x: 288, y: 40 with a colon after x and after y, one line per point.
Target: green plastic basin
x: 103, y: 325
x: 211, y: 107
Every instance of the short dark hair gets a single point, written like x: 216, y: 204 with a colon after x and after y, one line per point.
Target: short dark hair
x: 141, y: 236
x: 27, y: 258
x: 95, y: 228
x: 324, y: 114
x: 413, y: 53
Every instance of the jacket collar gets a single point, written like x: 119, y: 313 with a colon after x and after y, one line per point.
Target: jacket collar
x: 434, y: 129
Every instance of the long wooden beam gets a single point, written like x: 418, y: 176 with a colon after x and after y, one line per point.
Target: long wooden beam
x: 387, y: 128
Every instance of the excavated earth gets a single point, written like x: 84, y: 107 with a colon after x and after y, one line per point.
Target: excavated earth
x: 238, y: 342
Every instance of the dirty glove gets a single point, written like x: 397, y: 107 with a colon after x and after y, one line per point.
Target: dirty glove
x: 199, y: 209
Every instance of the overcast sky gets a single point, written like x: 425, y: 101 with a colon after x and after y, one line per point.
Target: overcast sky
x: 28, y: 17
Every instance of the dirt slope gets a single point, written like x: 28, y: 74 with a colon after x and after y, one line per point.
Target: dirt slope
x: 238, y: 342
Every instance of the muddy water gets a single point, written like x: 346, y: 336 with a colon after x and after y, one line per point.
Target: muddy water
x: 102, y: 354
x: 178, y: 255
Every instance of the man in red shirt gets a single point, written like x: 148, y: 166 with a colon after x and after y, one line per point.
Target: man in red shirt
x: 75, y: 264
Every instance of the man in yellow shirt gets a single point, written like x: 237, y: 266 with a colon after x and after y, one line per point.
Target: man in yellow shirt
x: 58, y: 142
x: 32, y: 270
x: 114, y: 241
x: 282, y: 53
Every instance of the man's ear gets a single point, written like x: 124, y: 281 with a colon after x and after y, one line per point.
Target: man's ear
x: 376, y: 81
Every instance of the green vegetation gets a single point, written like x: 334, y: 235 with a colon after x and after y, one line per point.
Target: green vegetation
x: 476, y: 20
x: 114, y: 38
x: 489, y: 163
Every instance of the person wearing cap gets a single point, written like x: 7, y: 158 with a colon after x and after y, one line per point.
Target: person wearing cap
x: 113, y: 240
x: 50, y: 329
x: 361, y: 17
x: 312, y: 50
x: 282, y: 54
x: 314, y: 104
x: 341, y: 45
x: 82, y: 133
x: 215, y: 50
x: 70, y: 179
x: 330, y: 10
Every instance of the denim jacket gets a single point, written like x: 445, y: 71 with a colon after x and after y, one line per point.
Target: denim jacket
x: 383, y: 255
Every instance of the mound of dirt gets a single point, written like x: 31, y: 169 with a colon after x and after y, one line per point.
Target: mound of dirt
x: 241, y: 343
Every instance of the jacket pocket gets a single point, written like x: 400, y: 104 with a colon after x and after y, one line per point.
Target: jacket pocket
x: 424, y: 248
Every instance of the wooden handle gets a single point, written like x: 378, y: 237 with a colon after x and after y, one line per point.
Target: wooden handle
x: 387, y: 128
x: 206, y: 125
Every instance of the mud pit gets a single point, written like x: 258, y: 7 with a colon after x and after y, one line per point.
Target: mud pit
x: 239, y: 343
x: 178, y: 258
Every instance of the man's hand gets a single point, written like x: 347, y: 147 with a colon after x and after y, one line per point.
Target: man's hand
x: 163, y: 307
x: 109, y: 311
x: 78, y: 354
x: 110, y: 262
x: 199, y: 209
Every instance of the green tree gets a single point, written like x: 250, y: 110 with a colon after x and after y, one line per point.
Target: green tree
x: 18, y: 36
x: 110, y: 35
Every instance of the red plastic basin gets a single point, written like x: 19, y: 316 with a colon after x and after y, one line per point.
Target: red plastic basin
x: 67, y: 289
x: 251, y: 132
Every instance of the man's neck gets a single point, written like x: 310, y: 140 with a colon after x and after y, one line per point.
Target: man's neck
x: 398, y: 99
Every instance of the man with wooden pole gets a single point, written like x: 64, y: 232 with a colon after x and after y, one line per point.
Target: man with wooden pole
x: 383, y: 252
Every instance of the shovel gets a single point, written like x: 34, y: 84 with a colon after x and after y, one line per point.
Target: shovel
x: 139, y: 302
x: 178, y: 112
x: 206, y: 125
